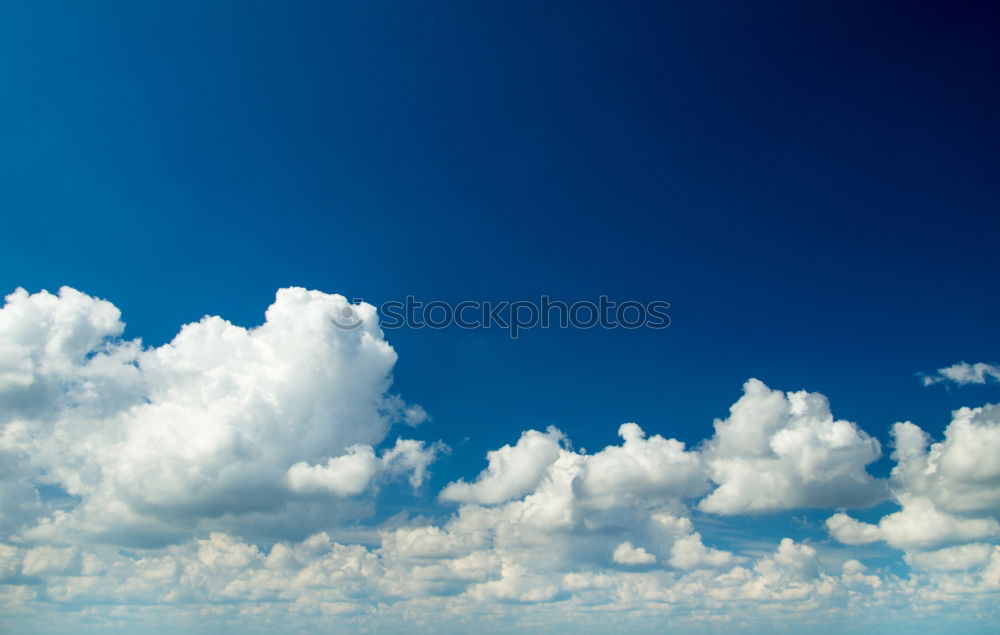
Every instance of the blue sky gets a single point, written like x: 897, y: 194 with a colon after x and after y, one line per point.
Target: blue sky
x: 812, y: 188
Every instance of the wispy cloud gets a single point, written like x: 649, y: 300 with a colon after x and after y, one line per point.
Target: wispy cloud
x: 963, y: 373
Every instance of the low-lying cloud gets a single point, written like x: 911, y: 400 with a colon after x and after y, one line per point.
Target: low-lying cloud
x: 213, y: 471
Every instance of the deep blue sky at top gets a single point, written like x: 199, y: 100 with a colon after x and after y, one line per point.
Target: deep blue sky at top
x: 812, y: 186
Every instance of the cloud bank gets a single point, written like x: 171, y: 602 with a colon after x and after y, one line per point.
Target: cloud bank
x: 200, y: 484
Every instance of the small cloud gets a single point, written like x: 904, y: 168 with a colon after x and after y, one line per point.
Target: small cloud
x: 962, y: 374
x: 627, y: 553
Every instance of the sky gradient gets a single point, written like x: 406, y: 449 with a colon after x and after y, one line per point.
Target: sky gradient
x: 813, y: 189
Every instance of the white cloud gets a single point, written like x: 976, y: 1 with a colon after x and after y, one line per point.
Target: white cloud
x: 958, y: 558
x: 689, y: 552
x: 51, y: 560
x: 512, y: 470
x: 627, y: 553
x: 229, y: 462
x: 654, y: 468
x: 576, y: 508
x: 159, y: 441
x: 852, y: 532
x: 686, y: 549
x: 963, y: 373
x: 778, y: 451
x: 344, y: 475
x: 410, y: 456
x: 918, y: 525
x: 961, y: 474
x: 317, y: 581
x: 352, y: 472
x: 949, y: 491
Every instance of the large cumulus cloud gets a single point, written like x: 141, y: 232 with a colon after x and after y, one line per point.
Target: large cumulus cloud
x: 948, y: 491
x: 218, y: 423
x: 786, y: 451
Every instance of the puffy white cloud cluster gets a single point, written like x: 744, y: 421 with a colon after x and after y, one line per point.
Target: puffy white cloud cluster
x: 641, y: 469
x: 919, y: 524
x: 352, y: 472
x: 963, y: 373
x: 960, y: 474
x: 214, y: 470
x: 512, y: 472
x: 948, y: 497
x: 627, y: 553
x: 608, y: 509
x: 427, y: 579
x: 220, y: 423
x: 948, y: 493
x: 320, y: 575
x: 778, y: 451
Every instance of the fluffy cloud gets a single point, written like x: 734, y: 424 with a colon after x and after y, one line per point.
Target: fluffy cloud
x: 689, y: 552
x: 961, y: 474
x: 221, y: 471
x: 963, y: 373
x: 221, y: 422
x: 958, y: 558
x: 778, y: 451
x: 512, y: 471
x: 344, y: 475
x: 918, y: 525
x: 627, y: 553
x: 579, y: 509
x: 352, y: 472
x: 47, y: 559
x: 655, y: 468
x: 850, y: 531
x: 426, y: 588
x: 544, y: 510
x: 949, y: 492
